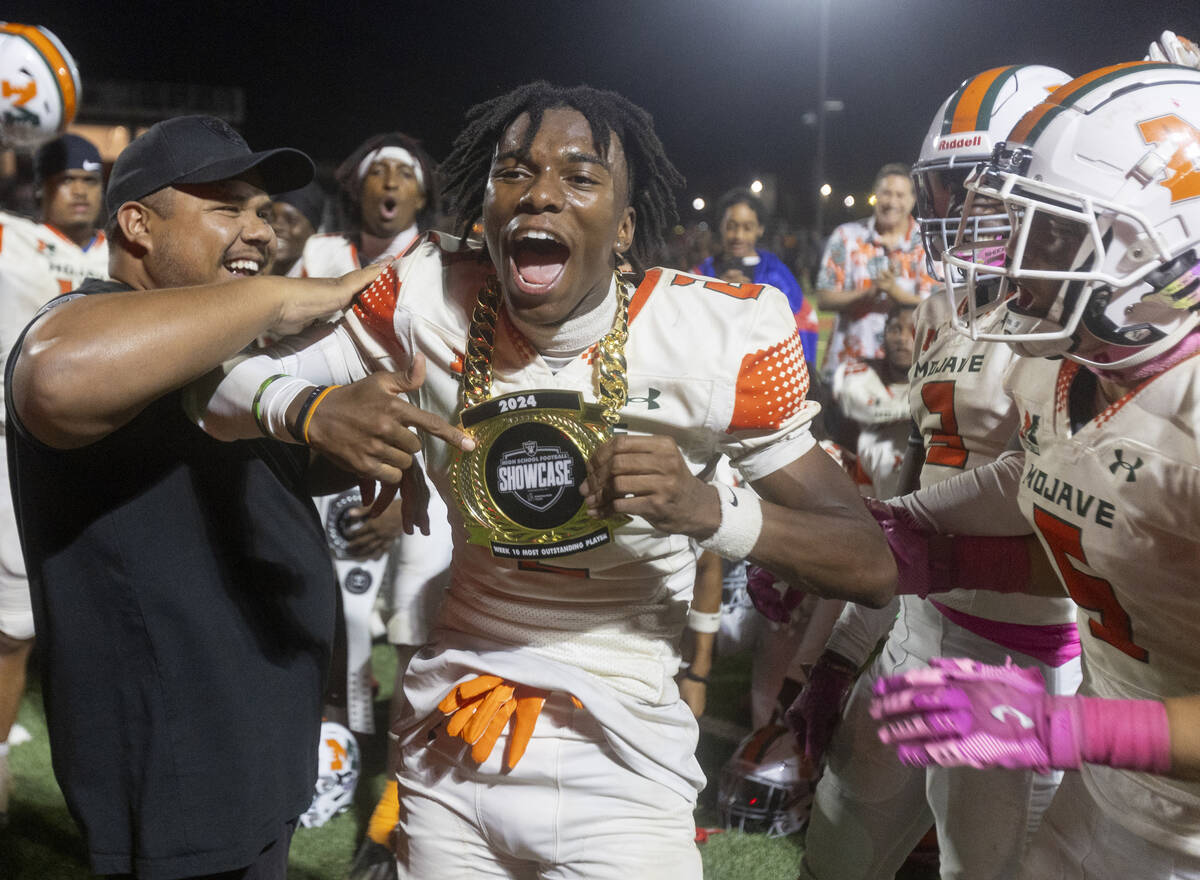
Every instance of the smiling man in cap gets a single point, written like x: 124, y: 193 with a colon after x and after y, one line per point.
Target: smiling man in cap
x: 183, y: 598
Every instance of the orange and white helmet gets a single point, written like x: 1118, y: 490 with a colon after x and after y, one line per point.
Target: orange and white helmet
x: 766, y: 787
x: 975, y: 117
x: 39, y: 85
x: 1101, y: 183
x: 339, y: 763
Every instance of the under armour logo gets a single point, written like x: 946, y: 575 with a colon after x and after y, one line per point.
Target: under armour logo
x: 1002, y: 713
x: 651, y: 398
x: 1120, y: 462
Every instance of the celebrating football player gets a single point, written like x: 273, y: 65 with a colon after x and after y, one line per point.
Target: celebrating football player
x: 550, y: 675
x: 1103, y: 257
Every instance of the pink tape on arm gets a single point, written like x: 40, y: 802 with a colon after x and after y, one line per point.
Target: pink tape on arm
x: 1129, y: 734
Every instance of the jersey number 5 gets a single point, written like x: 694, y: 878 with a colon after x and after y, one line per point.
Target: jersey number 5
x: 1095, y: 594
x: 945, y: 446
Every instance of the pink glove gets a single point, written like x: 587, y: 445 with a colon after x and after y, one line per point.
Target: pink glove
x: 815, y: 713
x: 960, y: 712
x: 773, y: 599
x: 931, y: 563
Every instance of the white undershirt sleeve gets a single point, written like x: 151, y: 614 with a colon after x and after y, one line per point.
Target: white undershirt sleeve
x: 222, y: 402
x: 859, y: 629
x: 982, y: 501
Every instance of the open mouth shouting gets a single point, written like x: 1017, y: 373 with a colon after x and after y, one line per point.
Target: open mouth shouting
x: 538, y: 260
x: 388, y: 207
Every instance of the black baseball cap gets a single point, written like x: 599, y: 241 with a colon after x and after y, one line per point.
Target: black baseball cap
x: 67, y: 153
x: 308, y: 200
x: 198, y: 149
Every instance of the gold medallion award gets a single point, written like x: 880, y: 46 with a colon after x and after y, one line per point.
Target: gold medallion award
x: 519, y: 488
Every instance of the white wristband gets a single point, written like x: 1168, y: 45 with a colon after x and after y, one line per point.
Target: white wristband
x: 741, y: 522
x: 274, y: 404
x: 703, y: 621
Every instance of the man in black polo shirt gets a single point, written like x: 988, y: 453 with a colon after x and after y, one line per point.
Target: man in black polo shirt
x: 183, y: 596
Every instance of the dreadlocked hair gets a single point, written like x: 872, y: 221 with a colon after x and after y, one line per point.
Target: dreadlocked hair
x: 349, y: 192
x: 652, y: 178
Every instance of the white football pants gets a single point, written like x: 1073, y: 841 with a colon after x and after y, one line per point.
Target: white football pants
x: 568, y: 811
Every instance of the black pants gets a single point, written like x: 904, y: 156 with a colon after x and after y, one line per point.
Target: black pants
x: 271, y: 863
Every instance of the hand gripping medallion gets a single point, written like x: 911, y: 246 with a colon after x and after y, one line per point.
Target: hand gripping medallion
x: 519, y: 488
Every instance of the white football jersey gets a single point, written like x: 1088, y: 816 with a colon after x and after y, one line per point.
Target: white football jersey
x: 966, y: 419
x: 38, y: 263
x: 1115, y: 505
x: 717, y: 367
x: 956, y: 394
x: 881, y: 411
x: 332, y: 254
x: 863, y: 397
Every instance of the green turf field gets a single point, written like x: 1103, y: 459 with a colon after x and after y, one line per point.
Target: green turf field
x: 41, y: 842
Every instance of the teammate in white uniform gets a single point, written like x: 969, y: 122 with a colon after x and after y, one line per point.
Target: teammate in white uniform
x: 39, y: 261
x: 1103, y: 257
x: 567, y: 181
x: 870, y: 810
x: 387, y: 194
x: 873, y: 397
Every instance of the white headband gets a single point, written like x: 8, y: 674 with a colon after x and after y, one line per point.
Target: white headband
x: 399, y: 154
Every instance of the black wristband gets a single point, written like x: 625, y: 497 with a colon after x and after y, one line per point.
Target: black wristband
x: 691, y: 676
x: 296, y: 429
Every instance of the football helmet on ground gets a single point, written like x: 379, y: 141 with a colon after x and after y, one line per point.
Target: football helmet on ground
x: 338, y: 766
x: 766, y: 786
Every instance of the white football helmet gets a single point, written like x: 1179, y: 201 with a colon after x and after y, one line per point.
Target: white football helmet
x: 1101, y: 183
x: 765, y: 786
x: 39, y: 85
x: 975, y: 117
x: 338, y: 766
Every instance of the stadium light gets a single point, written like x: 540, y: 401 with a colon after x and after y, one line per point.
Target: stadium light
x: 848, y: 201
x: 826, y: 190
x: 871, y: 200
x: 756, y: 187
x: 698, y: 203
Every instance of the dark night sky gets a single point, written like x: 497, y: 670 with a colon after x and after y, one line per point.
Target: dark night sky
x: 727, y: 82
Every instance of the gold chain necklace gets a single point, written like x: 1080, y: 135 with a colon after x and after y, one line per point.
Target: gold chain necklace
x: 612, y: 384
x: 519, y: 488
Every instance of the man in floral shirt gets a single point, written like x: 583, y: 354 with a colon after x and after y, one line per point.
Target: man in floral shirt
x: 868, y: 266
